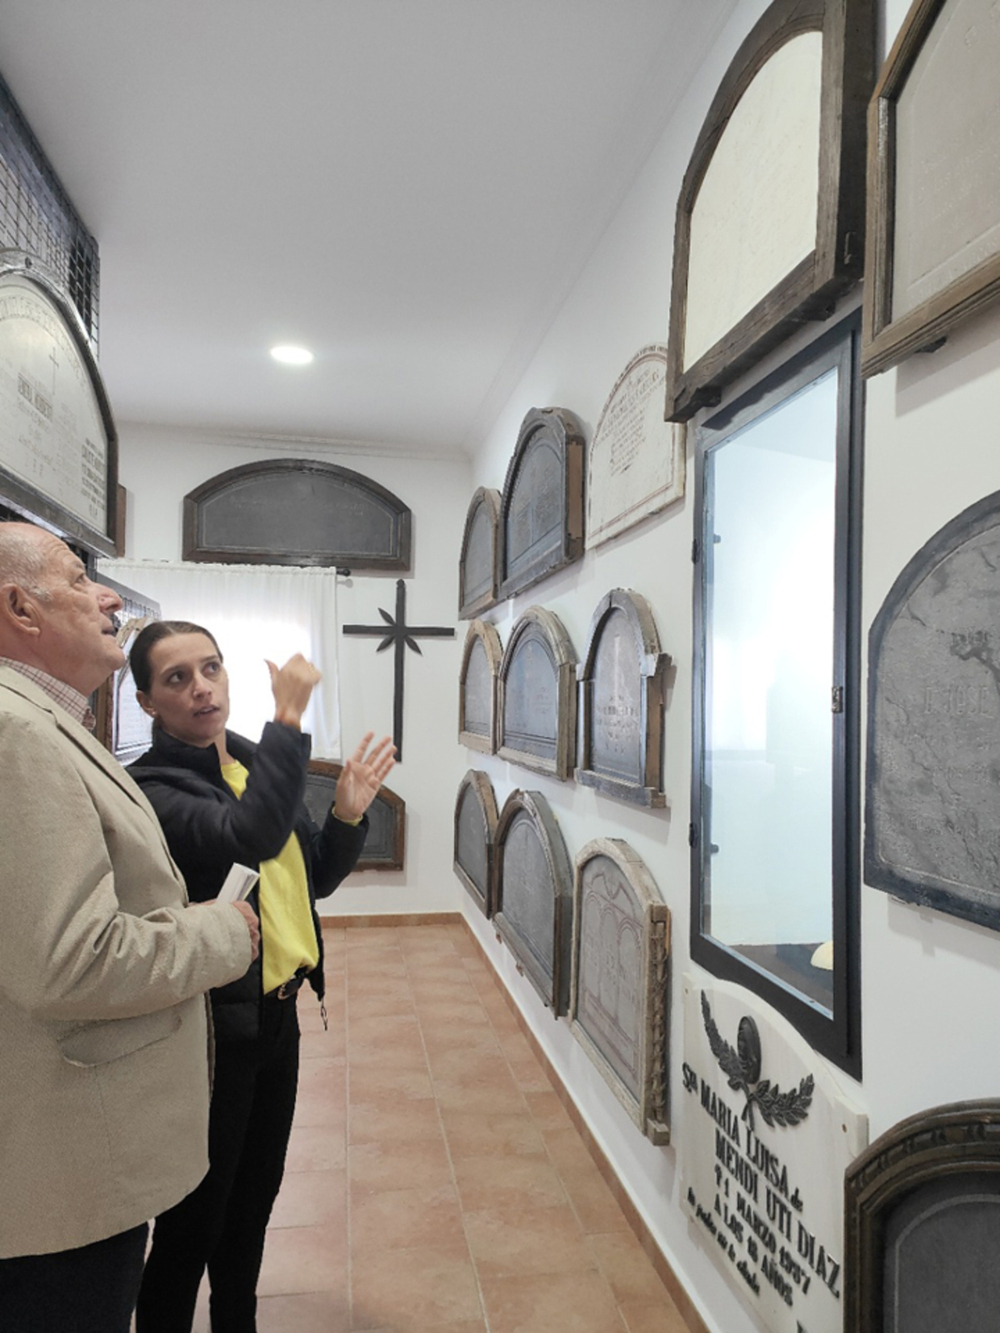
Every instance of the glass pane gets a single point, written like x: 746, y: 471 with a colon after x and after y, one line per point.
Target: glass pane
x: 769, y: 627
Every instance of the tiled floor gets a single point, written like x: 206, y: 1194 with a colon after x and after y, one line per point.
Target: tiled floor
x: 435, y: 1183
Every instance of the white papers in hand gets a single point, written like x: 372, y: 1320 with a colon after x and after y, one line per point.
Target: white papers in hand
x: 238, y: 884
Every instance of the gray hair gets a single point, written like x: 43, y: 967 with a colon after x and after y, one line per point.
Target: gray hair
x: 23, y: 561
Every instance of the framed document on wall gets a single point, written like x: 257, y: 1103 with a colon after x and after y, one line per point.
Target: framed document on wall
x: 58, y: 447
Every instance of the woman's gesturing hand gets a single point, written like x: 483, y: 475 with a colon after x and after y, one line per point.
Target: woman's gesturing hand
x: 363, y: 774
x: 292, y: 688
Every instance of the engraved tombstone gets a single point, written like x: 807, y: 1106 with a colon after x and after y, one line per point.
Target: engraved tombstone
x: 534, y: 895
x: 636, y: 460
x: 478, y: 576
x: 541, y: 509
x: 765, y: 1137
x: 475, y: 837
x: 537, y: 723
x: 932, y: 827
x: 922, y: 1224
x: 385, y: 846
x: 478, y: 687
x: 122, y: 726
x: 618, y: 995
x: 621, y: 687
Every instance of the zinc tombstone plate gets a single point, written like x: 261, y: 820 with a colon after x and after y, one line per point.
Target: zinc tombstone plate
x: 763, y: 1162
x: 636, y: 460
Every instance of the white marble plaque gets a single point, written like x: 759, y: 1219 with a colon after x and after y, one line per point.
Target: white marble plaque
x: 52, y: 433
x: 635, y: 465
x: 756, y: 214
x: 765, y: 1138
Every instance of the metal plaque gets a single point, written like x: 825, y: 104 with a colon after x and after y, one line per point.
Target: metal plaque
x: 932, y: 831
x: 618, y: 1003
x: 478, y: 687
x: 537, y: 724
x: 475, y: 836
x: 297, y: 511
x: 534, y: 895
x: 478, y: 580
x: 385, y: 846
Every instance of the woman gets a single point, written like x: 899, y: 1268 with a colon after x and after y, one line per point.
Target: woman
x: 220, y: 800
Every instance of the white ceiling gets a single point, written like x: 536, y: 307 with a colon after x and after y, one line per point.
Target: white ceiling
x: 409, y: 187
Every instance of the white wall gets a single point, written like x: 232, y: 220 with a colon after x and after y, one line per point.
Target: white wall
x: 159, y: 467
x: 930, y: 983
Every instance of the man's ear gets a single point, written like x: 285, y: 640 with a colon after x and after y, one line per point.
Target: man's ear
x: 19, y: 610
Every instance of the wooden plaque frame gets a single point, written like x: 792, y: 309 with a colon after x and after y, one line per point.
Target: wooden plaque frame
x: 20, y: 495
x: 557, y: 429
x: 810, y: 289
x: 962, y: 1137
x: 396, y: 860
x: 652, y: 666
x: 488, y: 502
x: 887, y: 340
x: 476, y: 785
x: 547, y: 629
x: 398, y: 557
x: 480, y: 631
x: 650, y: 1109
x: 554, y: 988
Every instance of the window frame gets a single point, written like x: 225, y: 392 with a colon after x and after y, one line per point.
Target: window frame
x: 838, y: 1035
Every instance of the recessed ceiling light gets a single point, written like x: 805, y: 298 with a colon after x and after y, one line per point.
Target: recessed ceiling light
x: 292, y: 356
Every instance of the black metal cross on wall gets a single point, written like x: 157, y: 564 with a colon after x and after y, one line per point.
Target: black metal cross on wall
x: 397, y: 631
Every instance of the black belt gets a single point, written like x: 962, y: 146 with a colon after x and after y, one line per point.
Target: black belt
x: 288, y: 988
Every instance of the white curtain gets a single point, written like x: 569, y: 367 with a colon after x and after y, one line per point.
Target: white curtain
x: 255, y: 612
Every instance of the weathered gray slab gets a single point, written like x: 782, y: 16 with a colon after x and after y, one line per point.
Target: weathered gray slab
x: 636, y: 460
x: 622, y: 682
x: 534, y: 895
x: 385, y: 846
x: 297, y: 511
x: 765, y: 1137
x: 619, y: 991
x: 541, y: 509
x: 537, y: 719
x: 478, y: 687
x: 475, y: 837
x: 933, y: 800
x: 478, y: 568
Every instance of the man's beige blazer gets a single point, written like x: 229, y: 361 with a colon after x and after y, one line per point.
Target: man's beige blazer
x: 104, y: 1039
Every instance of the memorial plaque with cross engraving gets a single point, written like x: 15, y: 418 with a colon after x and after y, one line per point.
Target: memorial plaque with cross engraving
x: 932, y: 831
x: 534, y: 895
x: 475, y: 837
x: 478, y: 687
x: 537, y: 725
x: 618, y: 1002
x: 478, y: 578
x: 621, y: 686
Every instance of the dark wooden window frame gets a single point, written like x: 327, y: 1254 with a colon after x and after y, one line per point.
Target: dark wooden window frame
x: 837, y: 1037
x: 888, y: 341
x: 560, y: 651
x: 477, y: 786
x: 488, y: 500
x: 329, y: 769
x: 480, y: 631
x: 810, y: 289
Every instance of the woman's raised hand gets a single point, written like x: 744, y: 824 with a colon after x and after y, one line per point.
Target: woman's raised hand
x: 292, y: 687
x: 362, y: 776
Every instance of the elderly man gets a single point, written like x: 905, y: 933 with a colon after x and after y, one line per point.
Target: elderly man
x: 104, y: 1039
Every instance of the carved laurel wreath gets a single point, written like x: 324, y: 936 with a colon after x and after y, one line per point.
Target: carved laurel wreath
x: 742, y: 1068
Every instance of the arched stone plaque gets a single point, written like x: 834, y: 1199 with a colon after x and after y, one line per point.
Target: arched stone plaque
x: 534, y: 895
x: 619, y: 992
x: 537, y: 722
x: 297, y: 511
x: 478, y: 568
x: 922, y: 1224
x: 770, y: 218
x: 475, y: 837
x: 932, y: 821
x: 478, y: 687
x: 541, y: 509
x: 622, y: 679
x: 385, y: 846
x: 636, y: 460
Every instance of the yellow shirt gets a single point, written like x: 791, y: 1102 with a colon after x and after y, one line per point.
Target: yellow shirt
x: 287, y: 933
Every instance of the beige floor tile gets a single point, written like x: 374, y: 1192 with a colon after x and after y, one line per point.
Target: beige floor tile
x: 652, y: 1317
x: 317, y: 1044
x: 299, y: 1259
x: 402, y: 1219
x: 321, y: 1106
x: 516, y: 1241
x: 318, y: 1148
x: 470, y: 1134
x: 376, y: 1166
x: 400, y: 1050
x: 548, y: 1111
x: 627, y: 1268
x: 308, y: 1312
x: 570, y: 1303
x: 508, y: 1182
x: 422, y: 1288
x: 377, y: 1027
x: 452, y: 1014
x: 387, y: 1087
x: 445, y: 1040
x: 593, y: 1202
x: 312, y: 1198
x: 479, y: 1067
x: 529, y: 1075
x: 499, y: 1097
x: 378, y: 1004
x: 406, y: 1122
x: 373, y: 937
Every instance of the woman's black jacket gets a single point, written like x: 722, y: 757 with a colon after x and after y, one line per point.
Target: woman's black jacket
x: 207, y: 829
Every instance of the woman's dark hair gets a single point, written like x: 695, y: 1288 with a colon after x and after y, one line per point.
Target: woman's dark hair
x: 138, y: 658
